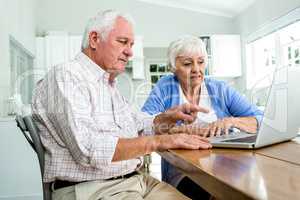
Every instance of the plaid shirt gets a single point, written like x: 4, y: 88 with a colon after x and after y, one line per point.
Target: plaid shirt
x: 80, y: 116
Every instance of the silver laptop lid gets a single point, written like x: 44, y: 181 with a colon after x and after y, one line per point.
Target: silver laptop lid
x: 282, y: 113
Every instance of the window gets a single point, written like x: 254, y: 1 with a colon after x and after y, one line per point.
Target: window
x: 278, y: 49
x: 261, y: 61
x: 157, y: 69
x: 22, y: 76
x: 290, y: 44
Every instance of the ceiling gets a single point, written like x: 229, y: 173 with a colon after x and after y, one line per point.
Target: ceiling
x: 224, y: 8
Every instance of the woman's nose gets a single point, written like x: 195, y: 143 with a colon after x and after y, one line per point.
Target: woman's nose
x: 196, y: 68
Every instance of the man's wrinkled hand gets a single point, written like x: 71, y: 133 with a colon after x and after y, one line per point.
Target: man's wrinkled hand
x: 181, y: 141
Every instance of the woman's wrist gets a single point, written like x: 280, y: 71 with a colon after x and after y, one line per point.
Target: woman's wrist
x: 234, y: 122
x: 162, y: 124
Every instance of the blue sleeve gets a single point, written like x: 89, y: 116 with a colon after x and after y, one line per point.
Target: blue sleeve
x: 155, y: 103
x: 239, y: 106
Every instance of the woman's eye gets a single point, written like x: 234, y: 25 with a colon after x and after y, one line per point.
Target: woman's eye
x: 186, y: 64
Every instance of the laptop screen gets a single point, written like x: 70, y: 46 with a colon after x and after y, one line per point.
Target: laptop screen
x: 280, y: 100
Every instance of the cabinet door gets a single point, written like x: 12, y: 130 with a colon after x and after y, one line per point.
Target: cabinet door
x: 226, y: 55
x: 40, y: 53
x: 138, y: 71
x: 74, y: 46
x: 138, y: 47
x: 40, y: 68
x: 138, y: 67
x: 56, y: 50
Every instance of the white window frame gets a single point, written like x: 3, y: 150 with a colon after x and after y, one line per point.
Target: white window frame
x: 272, y: 27
x: 21, y: 72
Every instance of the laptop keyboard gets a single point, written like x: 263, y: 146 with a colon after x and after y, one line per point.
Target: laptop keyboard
x: 250, y: 139
x: 230, y: 135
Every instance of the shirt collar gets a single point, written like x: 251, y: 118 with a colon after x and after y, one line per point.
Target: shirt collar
x: 203, y: 89
x: 95, y: 70
x: 203, y: 92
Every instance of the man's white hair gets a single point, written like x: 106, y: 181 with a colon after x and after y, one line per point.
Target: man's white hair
x: 103, y: 23
x: 185, y: 45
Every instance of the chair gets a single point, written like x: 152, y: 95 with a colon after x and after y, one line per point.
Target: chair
x: 31, y: 134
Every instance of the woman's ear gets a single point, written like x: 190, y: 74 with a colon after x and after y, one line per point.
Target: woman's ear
x: 172, y: 69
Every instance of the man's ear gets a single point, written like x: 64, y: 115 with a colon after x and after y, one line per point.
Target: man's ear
x: 93, y: 39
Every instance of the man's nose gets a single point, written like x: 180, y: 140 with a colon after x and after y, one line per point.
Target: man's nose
x: 128, y: 51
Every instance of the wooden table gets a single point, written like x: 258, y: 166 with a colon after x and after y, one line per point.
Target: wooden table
x: 268, y: 173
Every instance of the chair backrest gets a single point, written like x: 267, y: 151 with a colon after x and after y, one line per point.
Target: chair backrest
x: 31, y: 133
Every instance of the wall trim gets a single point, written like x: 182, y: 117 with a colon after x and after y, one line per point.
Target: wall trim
x: 276, y: 24
x: 22, y: 197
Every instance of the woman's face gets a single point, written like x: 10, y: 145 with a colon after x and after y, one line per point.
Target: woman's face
x: 190, y: 69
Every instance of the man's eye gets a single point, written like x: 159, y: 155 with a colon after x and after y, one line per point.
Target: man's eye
x: 123, y: 42
x: 201, y: 62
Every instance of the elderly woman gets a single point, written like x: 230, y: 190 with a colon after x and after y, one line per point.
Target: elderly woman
x: 187, y: 58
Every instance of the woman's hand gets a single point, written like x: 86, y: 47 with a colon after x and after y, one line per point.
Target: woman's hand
x: 185, y: 112
x: 219, y: 127
x: 222, y: 126
x: 191, y: 129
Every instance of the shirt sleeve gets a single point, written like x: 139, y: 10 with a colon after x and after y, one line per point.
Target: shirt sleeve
x: 155, y: 103
x: 144, y: 121
x: 239, y: 106
x: 70, y: 111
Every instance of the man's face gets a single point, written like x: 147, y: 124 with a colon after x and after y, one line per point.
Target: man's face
x: 113, y: 53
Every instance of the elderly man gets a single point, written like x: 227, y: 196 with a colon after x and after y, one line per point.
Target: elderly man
x: 93, y: 139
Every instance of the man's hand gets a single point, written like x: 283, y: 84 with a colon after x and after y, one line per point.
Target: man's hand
x: 129, y: 148
x: 185, y: 112
x: 181, y: 141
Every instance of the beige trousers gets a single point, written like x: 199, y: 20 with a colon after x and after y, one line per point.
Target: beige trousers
x: 136, y: 187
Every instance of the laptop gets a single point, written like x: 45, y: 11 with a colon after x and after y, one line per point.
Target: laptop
x: 281, y: 120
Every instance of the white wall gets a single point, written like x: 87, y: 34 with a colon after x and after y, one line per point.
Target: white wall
x: 158, y: 25
x: 17, y: 18
x: 255, y: 17
x: 19, y: 168
x: 19, y: 171
x: 262, y: 12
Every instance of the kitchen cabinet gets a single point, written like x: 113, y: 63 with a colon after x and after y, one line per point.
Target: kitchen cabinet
x: 224, y: 55
x: 56, y: 48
